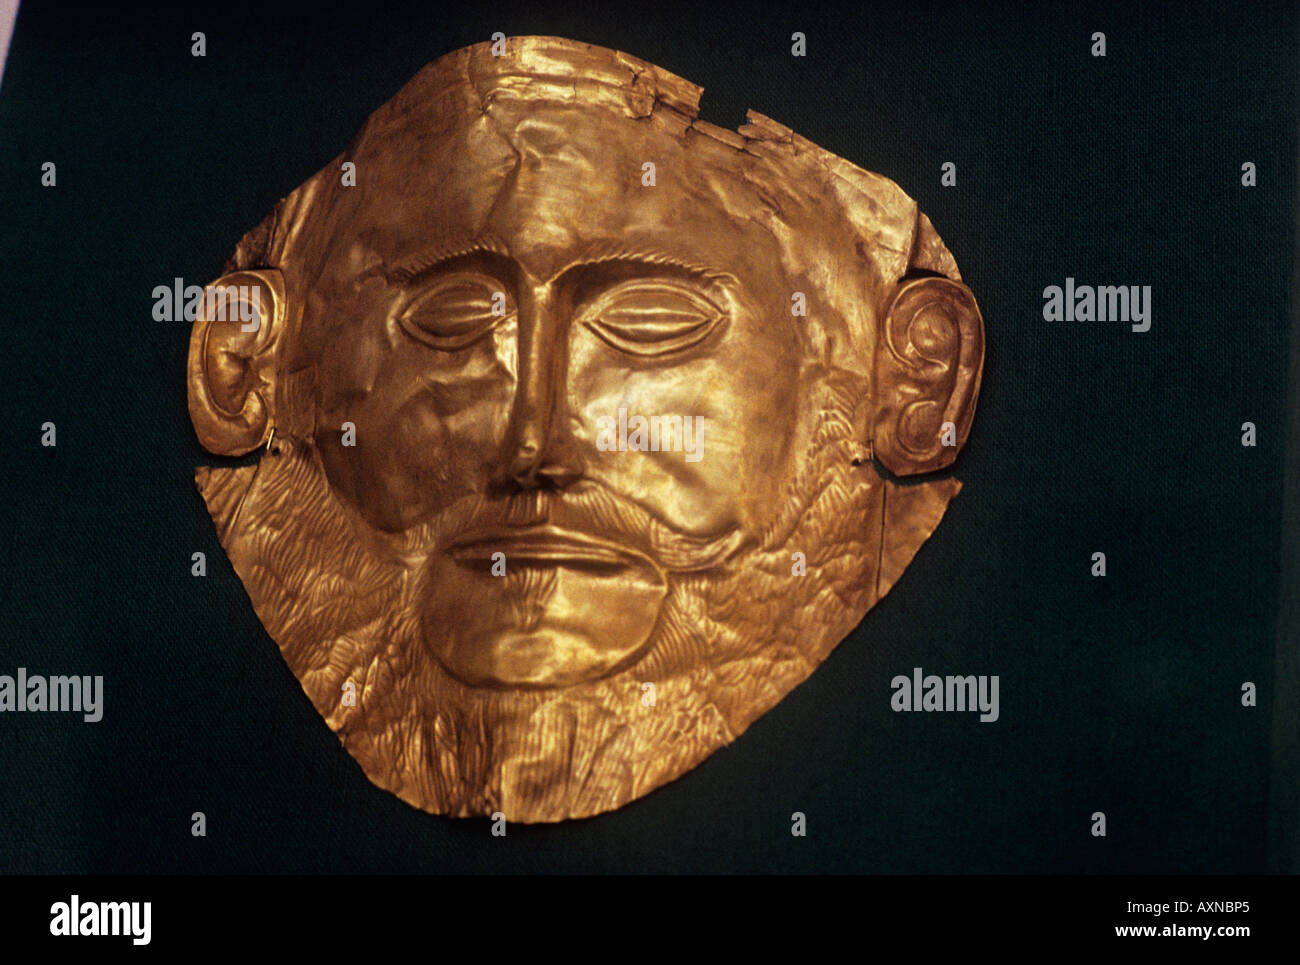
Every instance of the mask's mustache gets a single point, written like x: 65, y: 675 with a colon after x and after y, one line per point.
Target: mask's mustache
x: 590, y: 510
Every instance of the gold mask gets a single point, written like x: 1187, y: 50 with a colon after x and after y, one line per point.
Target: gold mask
x: 575, y: 409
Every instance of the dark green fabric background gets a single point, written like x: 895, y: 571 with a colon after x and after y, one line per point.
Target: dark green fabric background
x: 1118, y: 694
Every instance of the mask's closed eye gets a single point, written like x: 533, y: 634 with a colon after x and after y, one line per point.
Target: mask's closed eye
x: 456, y: 311
x: 652, y: 316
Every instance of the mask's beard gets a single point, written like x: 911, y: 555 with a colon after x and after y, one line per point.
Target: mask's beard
x: 739, y: 628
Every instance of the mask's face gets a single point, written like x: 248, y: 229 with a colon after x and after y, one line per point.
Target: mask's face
x: 570, y: 484
x: 591, y: 382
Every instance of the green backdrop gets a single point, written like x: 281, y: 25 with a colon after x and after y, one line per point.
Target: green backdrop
x: 1119, y: 694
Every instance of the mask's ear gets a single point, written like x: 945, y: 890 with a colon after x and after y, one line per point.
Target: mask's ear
x: 929, y: 359
x: 232, y: 363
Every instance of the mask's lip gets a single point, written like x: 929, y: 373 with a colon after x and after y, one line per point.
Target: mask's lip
x: 544, y: 544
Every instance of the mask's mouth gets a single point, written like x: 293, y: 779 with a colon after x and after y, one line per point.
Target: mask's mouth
x: 543, y: 546
x: 539, y: 606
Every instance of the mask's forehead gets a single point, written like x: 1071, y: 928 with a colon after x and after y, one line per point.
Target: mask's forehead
x: 556, y: 181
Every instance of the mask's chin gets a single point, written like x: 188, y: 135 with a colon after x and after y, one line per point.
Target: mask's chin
x: 546, y: 614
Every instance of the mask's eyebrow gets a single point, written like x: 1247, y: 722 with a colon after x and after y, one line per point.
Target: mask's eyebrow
x: 431, y: 257
x: 646, y: 258
x: 592, y: 258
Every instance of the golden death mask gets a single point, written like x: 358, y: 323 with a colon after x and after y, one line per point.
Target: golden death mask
x: 579, y: 420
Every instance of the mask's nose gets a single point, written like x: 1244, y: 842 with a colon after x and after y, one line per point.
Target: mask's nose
x: 541, y: 451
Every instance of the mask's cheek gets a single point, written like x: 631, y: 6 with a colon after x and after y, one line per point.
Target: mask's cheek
x: 426, y: 427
